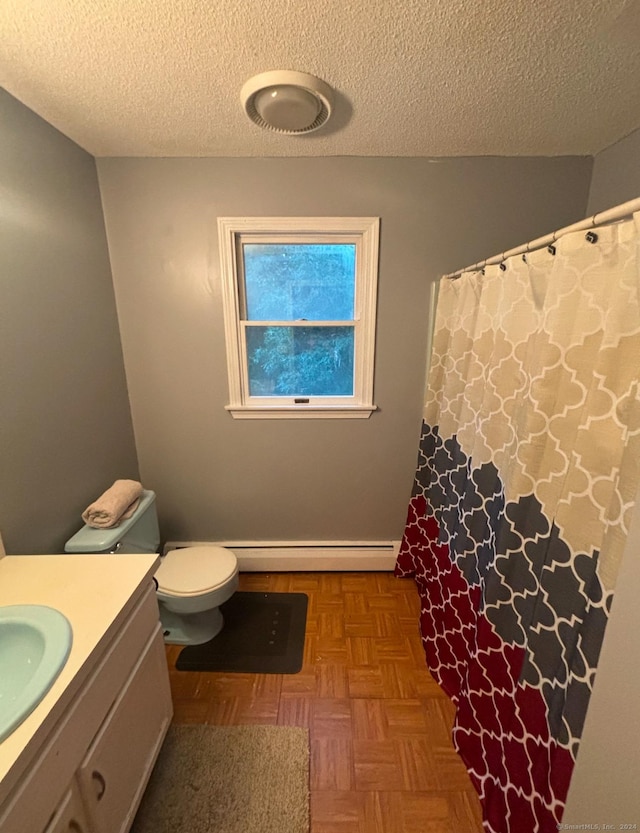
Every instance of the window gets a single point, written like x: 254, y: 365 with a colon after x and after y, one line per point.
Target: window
x: 299, y: 304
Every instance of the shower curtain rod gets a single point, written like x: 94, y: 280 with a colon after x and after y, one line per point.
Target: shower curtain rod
x: 608, y: 216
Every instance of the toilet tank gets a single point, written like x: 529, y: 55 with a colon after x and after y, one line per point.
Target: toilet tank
x: 139, y: 533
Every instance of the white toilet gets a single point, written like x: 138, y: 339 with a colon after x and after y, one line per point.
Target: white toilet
x: 192, y: 582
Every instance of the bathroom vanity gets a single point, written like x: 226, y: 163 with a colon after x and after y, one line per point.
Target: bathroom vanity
x: 79, y: 763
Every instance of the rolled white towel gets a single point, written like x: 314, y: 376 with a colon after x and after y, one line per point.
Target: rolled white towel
x: 117, y: 503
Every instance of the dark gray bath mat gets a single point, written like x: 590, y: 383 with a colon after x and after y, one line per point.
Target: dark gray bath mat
x: 263, y: 633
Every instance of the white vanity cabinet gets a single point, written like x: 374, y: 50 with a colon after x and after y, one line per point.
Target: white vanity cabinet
x: 70, y: 816
x: 90, y: 772
x: 116, y: 768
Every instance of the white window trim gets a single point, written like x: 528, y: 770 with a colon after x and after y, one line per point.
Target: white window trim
x: 365, y: 233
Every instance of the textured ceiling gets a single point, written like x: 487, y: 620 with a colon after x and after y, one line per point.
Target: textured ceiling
x: 412, y: 77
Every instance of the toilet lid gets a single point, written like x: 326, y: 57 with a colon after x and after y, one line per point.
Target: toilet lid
x: 194, y: 570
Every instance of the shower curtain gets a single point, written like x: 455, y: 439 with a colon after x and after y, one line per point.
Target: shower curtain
x: 527, y: 472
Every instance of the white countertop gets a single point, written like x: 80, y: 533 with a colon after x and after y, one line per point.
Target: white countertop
x: 92, y: 591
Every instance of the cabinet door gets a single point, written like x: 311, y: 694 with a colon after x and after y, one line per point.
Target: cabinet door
x: 69, y: 817
x: 118, y: 764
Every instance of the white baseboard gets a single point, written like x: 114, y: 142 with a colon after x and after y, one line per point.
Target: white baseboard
x: 305, y: 556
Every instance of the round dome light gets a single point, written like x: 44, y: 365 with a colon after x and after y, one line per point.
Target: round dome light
x: 287, y: 102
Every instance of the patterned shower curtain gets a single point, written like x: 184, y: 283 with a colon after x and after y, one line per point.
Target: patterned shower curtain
x: 527, y: 473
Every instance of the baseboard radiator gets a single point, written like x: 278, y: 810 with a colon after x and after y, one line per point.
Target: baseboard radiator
x: 298, y: 556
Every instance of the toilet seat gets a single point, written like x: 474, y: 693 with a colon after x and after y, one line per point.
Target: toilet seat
x: 194, y: 571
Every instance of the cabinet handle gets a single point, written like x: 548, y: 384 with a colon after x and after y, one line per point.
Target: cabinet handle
x: 98, y: 779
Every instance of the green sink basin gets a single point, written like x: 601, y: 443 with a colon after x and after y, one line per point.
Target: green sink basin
x: 35, y: 642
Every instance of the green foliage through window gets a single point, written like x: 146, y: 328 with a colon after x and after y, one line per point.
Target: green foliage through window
x: 300, y: 361
x: 299, y: 282
x: 293, y: 281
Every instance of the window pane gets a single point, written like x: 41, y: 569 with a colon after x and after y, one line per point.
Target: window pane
x: 300, y: 361
x: 292, y: 282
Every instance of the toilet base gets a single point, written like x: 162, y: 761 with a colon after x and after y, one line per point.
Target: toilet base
x: 190, y: 629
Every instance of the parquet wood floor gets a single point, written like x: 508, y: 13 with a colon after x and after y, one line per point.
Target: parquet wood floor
x: 381, y: 755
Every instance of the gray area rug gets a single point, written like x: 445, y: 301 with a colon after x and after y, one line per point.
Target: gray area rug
x: 228, y: 779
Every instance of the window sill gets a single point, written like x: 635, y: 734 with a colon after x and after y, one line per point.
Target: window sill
x: 300, y: 411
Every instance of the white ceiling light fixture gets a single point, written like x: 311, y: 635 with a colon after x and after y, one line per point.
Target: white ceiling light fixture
x: 287, y: 102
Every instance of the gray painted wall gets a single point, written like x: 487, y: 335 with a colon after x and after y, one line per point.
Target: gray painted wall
x: 65, y: 424
x: 220, y: 479
x: 616, y: 174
